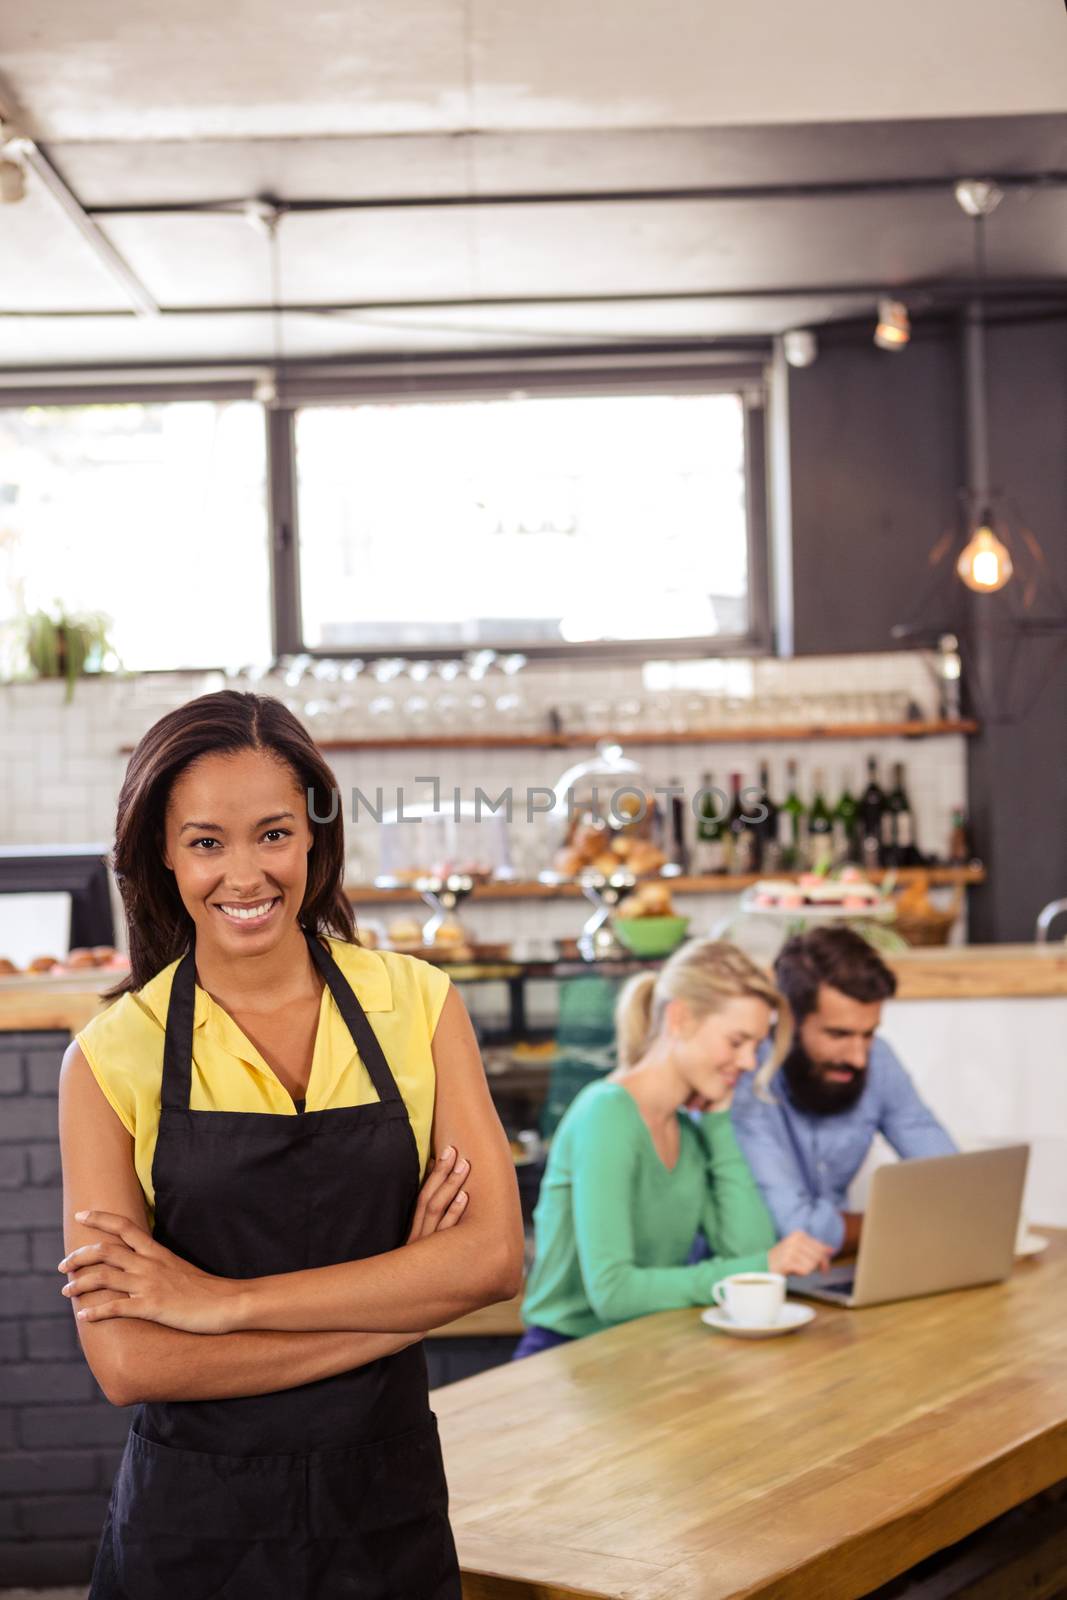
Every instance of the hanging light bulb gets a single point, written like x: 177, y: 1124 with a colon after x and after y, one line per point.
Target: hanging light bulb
x: 894, y: 325
x: 984, y: 564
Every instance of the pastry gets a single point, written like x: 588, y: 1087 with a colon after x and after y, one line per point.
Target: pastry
x: 568, y: 861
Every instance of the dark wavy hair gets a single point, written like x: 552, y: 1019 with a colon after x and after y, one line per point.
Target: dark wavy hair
x: 158, y: 926
x: 837, y: 956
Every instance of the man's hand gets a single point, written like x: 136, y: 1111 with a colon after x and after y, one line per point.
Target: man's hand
x: 798, y: 1253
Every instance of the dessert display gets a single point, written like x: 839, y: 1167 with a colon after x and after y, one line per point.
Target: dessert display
x: 427, y: 845
x: 814, y: 893
x: 597, y: 846
x: 101, y: 958
x: 605, y: 819
x: 404, y: 934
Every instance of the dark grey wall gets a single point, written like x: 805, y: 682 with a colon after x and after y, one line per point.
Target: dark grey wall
x: 1018, y: 774
x: 59, y: 1438
x: 876, y: 464
x: 877, y: 459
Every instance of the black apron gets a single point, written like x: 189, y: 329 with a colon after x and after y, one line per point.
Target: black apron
x: 332, y: 1489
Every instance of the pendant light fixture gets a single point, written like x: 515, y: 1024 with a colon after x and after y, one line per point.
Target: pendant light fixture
x: 894, y: 325
x: 984, y: 563
x: 989, y: 582
x: 265, y: 215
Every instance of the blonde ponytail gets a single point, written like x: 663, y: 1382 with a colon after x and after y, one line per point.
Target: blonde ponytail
x: 705, y: 973
x: 633, y: 1018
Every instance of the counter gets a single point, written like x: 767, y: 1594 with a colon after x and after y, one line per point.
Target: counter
x: 981, y: 1029
x: 991, y: 971
x: 662, y: 1461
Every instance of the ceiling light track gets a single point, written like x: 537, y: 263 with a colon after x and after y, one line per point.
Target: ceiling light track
x: 1027, y: 182
x: 922, y: 295
x: 30, y: 155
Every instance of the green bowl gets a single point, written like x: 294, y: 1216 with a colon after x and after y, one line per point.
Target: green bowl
x: 650, y: 936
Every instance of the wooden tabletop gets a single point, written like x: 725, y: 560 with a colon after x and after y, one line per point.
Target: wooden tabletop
x: 664, y: 1461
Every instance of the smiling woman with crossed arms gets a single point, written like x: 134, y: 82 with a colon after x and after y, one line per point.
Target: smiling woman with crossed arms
x: 255, y: 1249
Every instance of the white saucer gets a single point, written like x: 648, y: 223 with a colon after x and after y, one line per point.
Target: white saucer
x: 1031, y: 1244
x: 793, y: 1316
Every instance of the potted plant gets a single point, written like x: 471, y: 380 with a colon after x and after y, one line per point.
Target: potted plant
x: 66, y: 645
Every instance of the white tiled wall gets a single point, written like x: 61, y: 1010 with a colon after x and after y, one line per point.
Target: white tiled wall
x: 62, y: 763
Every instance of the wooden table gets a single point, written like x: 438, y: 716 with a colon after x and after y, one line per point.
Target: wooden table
x: 663, y: 1461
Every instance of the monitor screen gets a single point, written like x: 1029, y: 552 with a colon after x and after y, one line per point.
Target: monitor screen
x: 81, y: 870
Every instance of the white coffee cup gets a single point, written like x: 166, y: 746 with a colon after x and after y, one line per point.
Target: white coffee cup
x: 751, y: 1299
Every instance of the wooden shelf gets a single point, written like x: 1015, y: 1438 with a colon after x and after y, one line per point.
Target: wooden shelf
x: 749, y: 734
x: 720, y: 883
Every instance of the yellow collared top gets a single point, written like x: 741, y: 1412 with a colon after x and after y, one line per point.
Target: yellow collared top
x: 401, y: 995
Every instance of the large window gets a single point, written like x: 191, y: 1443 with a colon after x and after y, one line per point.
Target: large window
x: 153, y: 515
x: 524, y: 521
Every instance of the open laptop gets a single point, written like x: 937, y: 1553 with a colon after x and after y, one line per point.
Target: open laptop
x: 944, y: 1222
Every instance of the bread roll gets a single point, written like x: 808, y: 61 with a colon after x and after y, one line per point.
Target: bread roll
x: 568, y: 861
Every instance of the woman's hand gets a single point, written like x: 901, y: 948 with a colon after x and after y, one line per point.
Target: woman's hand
x: 441, y: 1201
x: 798, y: 1253
x: 157, y: 1285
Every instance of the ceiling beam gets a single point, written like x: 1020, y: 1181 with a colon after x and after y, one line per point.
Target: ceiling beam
x: 932, y: 292
x: 17, y: 143
x: 703, y: 194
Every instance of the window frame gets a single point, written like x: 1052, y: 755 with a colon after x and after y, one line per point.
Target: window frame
x: 449, y: 379
x: 747, y: 381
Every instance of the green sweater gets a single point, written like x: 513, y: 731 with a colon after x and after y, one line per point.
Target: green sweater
x: 613, y: 1226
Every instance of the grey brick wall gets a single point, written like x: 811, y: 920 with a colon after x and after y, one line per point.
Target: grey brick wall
x: 60, y: 1440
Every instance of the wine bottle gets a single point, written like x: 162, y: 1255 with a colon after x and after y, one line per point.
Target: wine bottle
x: 898, y: 830
x: 711, y: 831
x: 820, y: 829
x: 872, y: 809
x: 767, y: 830
x: 792, y: 816
x: 677, y: 848
x: 846, y: 826
x: 742, y: 832
x: 960, y: 848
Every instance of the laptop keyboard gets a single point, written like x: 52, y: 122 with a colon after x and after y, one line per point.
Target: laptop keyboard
x: 841, y: 1279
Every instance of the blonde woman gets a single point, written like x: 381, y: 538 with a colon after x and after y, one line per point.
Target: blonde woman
x: 634, y: 1172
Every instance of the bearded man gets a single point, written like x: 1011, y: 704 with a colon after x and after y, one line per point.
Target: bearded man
x: 839, y: 1086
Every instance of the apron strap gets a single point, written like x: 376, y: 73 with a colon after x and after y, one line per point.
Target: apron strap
x: 177, y: 1082
x: 366, y: 1041
x: 178, y: 1045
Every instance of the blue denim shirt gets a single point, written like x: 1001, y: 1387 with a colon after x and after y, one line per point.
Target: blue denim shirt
x: 804, y: 1164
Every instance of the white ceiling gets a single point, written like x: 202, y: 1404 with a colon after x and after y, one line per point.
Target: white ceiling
x: 131, y: 70
x: 139, y: 104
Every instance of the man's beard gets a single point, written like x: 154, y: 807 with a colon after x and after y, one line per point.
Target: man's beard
x: 811, y: 1092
